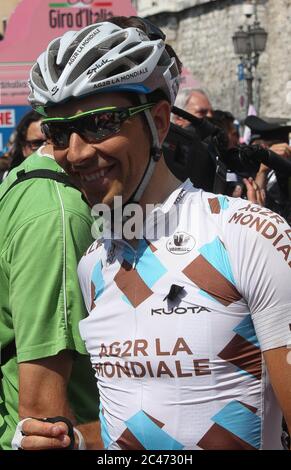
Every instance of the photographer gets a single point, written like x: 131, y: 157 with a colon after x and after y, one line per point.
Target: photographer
x: 206, y: 152
x: 275, y: 137
x: 236, y: 185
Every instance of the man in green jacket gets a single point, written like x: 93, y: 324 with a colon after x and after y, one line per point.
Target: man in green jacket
x: 45, y: 228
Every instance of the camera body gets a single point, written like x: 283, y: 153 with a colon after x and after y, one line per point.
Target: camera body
x: 187, y: 156
x: 200, y: 152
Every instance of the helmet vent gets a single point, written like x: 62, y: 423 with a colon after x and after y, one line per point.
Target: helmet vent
x: 37, y: 78
x: 120, y: 69
x: 84, y: 33
x: 109, y: 43
x: 85, y: 63
x: 141, y: 55
x: 174, y: 69
x: 164, y: 59
x: 53, y: 68
x: 69, y: 52
x: 76, y: 43
x: 122, y: 65
x: 128, y: 46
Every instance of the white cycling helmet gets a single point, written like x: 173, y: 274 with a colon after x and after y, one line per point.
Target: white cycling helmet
x: 102, y: 57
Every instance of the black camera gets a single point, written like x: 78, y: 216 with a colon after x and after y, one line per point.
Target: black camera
x: 187, y: 156
x: 200, y: 152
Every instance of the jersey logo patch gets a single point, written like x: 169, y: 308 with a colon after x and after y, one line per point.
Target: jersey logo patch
x: 180, y: 243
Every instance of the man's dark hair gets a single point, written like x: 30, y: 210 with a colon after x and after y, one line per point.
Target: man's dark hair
x: 223, y: 119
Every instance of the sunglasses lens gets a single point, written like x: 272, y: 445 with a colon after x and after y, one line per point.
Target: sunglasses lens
x: 106, y: 124
x: 92, y: 127
x: 100, y: 126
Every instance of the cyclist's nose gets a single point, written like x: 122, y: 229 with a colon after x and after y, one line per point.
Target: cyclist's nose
x: 79, y: 149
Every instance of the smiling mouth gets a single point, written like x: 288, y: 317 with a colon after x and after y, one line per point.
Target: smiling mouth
x: 99, y: 174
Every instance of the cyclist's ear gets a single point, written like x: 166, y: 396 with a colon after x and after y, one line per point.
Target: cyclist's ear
x: 161, y: 113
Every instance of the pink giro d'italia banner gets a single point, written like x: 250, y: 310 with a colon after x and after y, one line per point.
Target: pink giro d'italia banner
x: 32, y: 25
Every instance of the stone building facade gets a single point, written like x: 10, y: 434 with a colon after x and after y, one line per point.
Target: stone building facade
x: 201, y: 32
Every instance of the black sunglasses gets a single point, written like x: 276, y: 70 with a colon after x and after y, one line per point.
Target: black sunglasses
x: 94, y: 125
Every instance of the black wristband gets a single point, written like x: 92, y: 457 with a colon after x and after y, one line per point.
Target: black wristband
x: 57, y: 419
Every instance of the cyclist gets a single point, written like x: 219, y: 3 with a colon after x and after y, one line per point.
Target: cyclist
x: 181, y: 322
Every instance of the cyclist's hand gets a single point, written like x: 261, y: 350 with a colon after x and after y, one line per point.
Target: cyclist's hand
x: 40, y: 435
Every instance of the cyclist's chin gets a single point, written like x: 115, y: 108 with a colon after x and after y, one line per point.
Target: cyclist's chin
x: 102, y: 193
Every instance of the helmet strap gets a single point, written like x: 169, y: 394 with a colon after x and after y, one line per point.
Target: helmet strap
x: 154, y: 157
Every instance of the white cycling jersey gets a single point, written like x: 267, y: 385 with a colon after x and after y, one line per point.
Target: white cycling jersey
x: 176, y: 328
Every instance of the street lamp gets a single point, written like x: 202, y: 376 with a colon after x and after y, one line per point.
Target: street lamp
x: 258, y: 38
x: 249, y: 43
x: 241, y: 42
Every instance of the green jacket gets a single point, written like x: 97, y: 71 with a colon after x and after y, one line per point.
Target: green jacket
x: 44, y: 229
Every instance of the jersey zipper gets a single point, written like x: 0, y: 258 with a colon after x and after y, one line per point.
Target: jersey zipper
x: 134, y: 260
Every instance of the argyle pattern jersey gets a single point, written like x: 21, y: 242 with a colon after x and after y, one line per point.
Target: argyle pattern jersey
x: 177, y: 327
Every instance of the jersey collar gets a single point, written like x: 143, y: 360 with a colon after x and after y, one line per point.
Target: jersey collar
x: 157, y: 215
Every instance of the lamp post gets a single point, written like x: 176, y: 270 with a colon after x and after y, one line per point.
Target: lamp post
x: 249, y: 43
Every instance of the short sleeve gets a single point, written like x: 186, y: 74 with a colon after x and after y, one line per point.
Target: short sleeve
x: 45, y: 298
x: 259, y: 245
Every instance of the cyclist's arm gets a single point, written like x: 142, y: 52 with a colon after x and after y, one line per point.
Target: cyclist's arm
x: 261, y: 264
x: 92, y: 435
x: 47, y: 305
x: 43, y: 393
x: 43, y: 386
